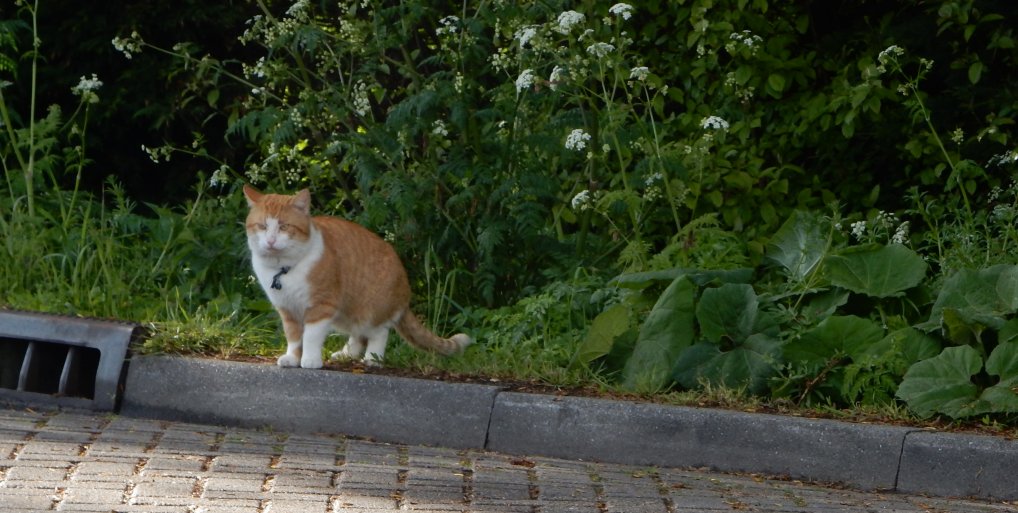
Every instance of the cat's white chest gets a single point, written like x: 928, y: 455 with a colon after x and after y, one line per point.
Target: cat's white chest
x: 286, y: 280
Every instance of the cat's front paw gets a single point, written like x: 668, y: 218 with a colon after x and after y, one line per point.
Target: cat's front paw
x: 311, y: 362
x: 288, y: 360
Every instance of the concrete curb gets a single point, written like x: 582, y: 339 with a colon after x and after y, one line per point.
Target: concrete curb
x: 415, y: 411
x: 383, y: 408
x: 863, y: 456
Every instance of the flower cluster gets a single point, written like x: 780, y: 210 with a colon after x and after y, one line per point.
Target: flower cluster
x: 714, y: 123
x: 220, y: 176
x: 128, y: 45
x: 361, y: 103
x: 623, y: 10
x: 438, y: 128
x: 744, y: 40
x: 639, y: 73
x: 577, y: 140
x: 600, y: 50
x: 87, y: 88
x: 525, y: 80
x: 526, y: 34
x: 885, y: 224
x: 156, y: 155
x: 558, y: 74
x: 567, y: 20
x: 450, y: 24
x: 581, y: 201
x: 890, y: 54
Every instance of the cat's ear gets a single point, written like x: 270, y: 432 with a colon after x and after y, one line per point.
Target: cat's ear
x: 302, y: 200
x: 252, y: 195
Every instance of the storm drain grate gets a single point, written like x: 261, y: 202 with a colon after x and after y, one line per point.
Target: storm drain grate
x: 68, y: 361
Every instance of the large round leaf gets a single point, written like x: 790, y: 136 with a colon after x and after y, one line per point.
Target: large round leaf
x: 1003, y: 362
x: 943, y: 384
x: 835, y: 335
x: 604, y: 330
x: 745, y: 367
x: 975, y: 299
x: 798, y: 246
x: 667, y: 330
x: 878, y: 272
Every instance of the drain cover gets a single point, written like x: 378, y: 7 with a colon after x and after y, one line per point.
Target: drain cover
x: 67, y: 361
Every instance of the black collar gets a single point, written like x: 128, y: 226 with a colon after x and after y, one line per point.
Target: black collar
x: 276, y: 284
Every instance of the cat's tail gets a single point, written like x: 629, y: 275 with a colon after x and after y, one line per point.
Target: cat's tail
x: 410, y: 328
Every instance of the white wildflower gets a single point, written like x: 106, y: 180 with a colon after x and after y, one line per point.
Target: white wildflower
x: 128, y: 46
x: 653, y: 179
x: 87, y: 88
x: 639, y: 73
x: 438, y: 128
x: 450, y: 24
x: 624, y: 10
x: 525, y: 80
x: 567, y: 20
x: 599, y: 50
x: 581, y: 201
x: 891, y: 53
x: 557, y: 75
x: 299, y: 10
x: 221, y: 176
x: 577, y: 139
x: 958, y: 136
x: 714, y: 123
x: 361, y: 103
x: 526, y: 34
x: 156, y: 155
x: 901, y: 234
x: 858, y: 229
x: 1003, y: 213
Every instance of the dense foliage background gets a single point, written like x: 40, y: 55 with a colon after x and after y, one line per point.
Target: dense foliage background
x: 809, y: 201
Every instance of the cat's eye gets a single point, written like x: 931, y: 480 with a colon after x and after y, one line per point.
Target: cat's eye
x: 283, y: 227
x: 260, y: 226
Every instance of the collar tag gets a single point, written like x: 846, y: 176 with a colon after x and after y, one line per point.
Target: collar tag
x: 276, y: 284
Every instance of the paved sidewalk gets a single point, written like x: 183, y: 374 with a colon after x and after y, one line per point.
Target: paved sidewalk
x: 68, y: 461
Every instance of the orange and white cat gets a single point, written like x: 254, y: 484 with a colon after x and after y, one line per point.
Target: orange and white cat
x: 326, y: 274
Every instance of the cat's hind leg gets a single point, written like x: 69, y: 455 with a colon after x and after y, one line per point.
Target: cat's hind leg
x: 377, y: 340
x: 353, y: 350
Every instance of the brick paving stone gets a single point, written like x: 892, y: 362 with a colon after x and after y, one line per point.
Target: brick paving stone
x: 87, y: 463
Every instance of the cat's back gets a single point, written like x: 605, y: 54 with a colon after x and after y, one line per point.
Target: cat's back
x: 355, y: 245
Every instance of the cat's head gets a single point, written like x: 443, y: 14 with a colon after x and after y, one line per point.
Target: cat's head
x: 278, y: 225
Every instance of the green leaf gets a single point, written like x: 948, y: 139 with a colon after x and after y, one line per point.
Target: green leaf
x: 667, y: 331
x: 823, y: 304
x: 605, y: 328
x: 976, y: 296
x: 728, y: 312
x: 1008, y: 332
x: 212, y: 97
x: 1007, y: 288
x: 975, y: 72
x: 798, y: 245
x: 835, y: 335
x: 906, y: 345
x: 776, y: 82
x: 697, y: 276
x: 886, y: 271
x: 1003, y: 362
x: 745, y: 367
x: 943, y: 384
